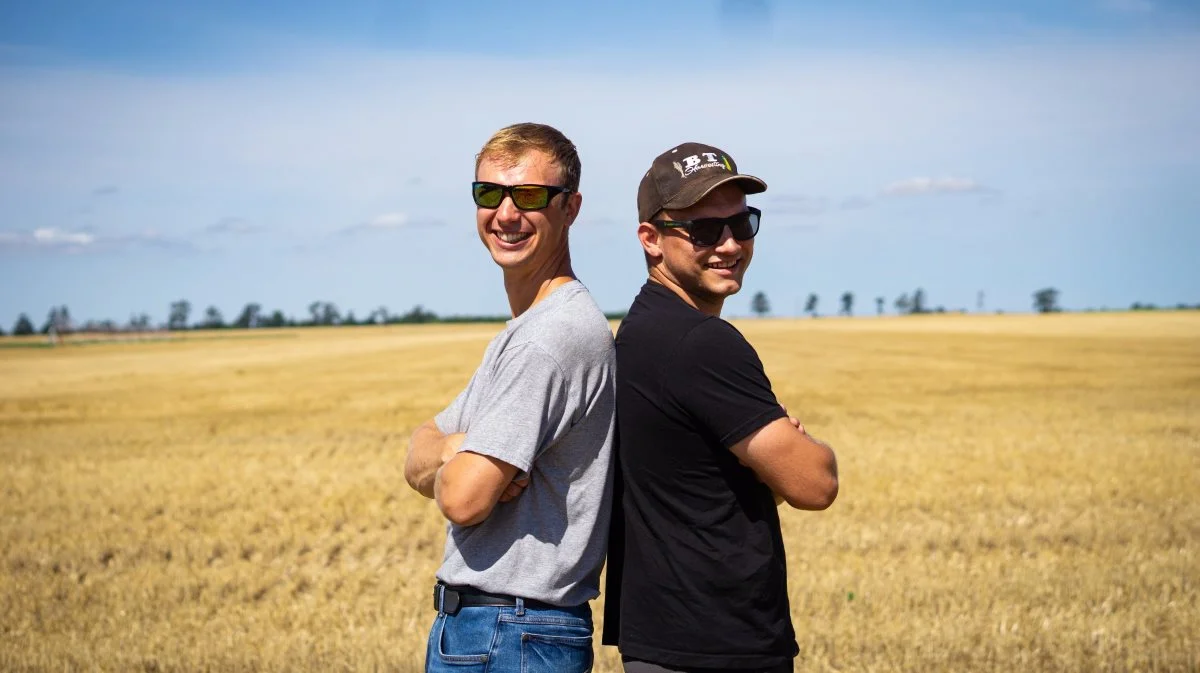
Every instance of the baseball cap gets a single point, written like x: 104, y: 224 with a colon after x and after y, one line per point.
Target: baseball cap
x: 681, y: 176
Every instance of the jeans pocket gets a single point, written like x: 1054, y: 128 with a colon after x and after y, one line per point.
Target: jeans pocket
x: 556, y: 653
x: 451, y: 644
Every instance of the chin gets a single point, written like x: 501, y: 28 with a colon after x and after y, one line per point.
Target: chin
x: 726, y: 289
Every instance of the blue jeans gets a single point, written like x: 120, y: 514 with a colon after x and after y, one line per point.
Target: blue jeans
x: 511, y: 640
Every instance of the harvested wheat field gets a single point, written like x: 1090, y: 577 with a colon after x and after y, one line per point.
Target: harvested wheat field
x: 1018, y: 493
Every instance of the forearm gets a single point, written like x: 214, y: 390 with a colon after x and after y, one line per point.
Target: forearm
x: 819, y: 475
x: 426, y: 451
x: 469, y: 485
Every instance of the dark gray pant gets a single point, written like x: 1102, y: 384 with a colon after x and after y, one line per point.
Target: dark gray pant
x: 636, y: 666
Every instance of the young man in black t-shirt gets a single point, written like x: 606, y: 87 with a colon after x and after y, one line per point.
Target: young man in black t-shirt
x: 697, y: 577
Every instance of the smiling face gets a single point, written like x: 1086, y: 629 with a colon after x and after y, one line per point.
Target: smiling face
x: 526, y: 241
x: 702, y: 275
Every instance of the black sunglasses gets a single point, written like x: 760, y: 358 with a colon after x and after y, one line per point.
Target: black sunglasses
x: 524, y: 197
x: 707, y: 231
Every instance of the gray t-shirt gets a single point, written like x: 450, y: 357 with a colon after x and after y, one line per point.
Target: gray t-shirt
x: 544, y: 401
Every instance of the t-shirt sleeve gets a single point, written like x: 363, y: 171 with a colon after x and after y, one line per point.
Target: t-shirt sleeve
x: 453, y: 419
x: 524, y: 408
x: 718, y: 380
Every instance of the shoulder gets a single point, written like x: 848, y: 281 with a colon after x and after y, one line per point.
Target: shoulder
x: 574, y: 328
x: 713, y: 336
x: 658, y: 317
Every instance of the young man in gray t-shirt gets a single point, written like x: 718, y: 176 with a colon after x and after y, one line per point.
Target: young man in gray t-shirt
x: 519, y: 463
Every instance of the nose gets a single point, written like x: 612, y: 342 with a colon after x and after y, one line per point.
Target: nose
x: 727, y: 244
x: 507, y: 212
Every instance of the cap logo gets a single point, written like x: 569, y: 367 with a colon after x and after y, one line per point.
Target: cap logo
x: 697, y: 162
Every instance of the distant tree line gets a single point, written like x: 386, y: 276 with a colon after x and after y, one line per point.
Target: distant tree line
x: 325, y: 313
x: 252, y: 316
x: 1045, y: 300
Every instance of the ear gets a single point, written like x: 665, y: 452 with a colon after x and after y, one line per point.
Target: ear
x: 571, y: 205
x: 651, y: 239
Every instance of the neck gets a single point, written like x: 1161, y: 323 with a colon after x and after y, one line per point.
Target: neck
x: 707, y: 305
x: 526, y: 288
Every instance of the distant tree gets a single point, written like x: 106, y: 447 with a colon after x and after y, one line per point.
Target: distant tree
x: 138, y: 323
x: 248, y: 318
x: 213, y: 318
x: 349, y: 319
x: 760, y: 305
x: 2, y: 332
x: 918, y: 302
x: 979, y: 301
x: 276, y: 319
x: 379, y: 315
x: 418, y: 314
x: 847, y: 303
x: 903, y: 304
x: 324, y: 313
x: 1138, y: 306
x: 330, y: 314
x: 23, y: 327
x: 58, y: 321
x: 177, y: 318
x: 879, y: 305
x: 810, y: 304
x: 1045, y: 300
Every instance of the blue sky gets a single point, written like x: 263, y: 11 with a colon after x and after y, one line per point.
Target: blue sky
x: 287, y: 152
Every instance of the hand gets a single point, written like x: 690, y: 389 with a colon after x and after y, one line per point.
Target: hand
x: 450, y: 444
x: 793, y: 420
x: 514, y: 488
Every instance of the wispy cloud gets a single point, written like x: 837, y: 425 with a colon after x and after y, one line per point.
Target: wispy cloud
x: 46, y: 238
x: 855, y: 203
x: 105, y: 190
x: 799, y: 204
x: 389, y: 222
x: 945, y: 185
x: 233, y: 225
x: 56, y: 240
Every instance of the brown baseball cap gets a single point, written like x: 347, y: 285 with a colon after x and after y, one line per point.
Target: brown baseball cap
x: 681, y: 176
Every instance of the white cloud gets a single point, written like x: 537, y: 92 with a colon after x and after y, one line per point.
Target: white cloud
x: 923, y: 185
x: 798, y: 204
x: 49, y: 236
x: 390, y: 222
x: 56, y: 240
x: 233, y: 225
x: 387, y: 221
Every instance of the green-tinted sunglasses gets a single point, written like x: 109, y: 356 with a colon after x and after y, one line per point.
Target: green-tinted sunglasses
x: 524, y: 197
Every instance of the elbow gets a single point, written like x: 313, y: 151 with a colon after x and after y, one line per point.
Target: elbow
x: 462, y: 511
x: 416, y: 481
x: 816, y: 496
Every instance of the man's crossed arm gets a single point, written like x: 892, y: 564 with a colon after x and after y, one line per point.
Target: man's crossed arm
x: 467, y: 486
x: 799, y: 468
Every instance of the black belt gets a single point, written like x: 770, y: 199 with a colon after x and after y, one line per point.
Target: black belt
x: 449, y: 599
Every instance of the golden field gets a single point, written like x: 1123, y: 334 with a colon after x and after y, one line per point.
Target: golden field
x: 1017, y: 493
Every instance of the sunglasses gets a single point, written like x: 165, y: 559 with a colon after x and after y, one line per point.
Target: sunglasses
x: 524, y: 197
x: 707, y: 231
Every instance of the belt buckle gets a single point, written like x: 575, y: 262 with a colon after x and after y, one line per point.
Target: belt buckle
x: 446, y: 600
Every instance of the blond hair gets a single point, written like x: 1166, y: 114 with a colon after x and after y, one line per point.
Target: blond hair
x: 511, y: 143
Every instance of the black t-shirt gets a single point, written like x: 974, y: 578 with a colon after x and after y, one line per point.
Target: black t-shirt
x: 696, y: 567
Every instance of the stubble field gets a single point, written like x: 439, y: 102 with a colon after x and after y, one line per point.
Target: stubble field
x: 1017, y: 493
